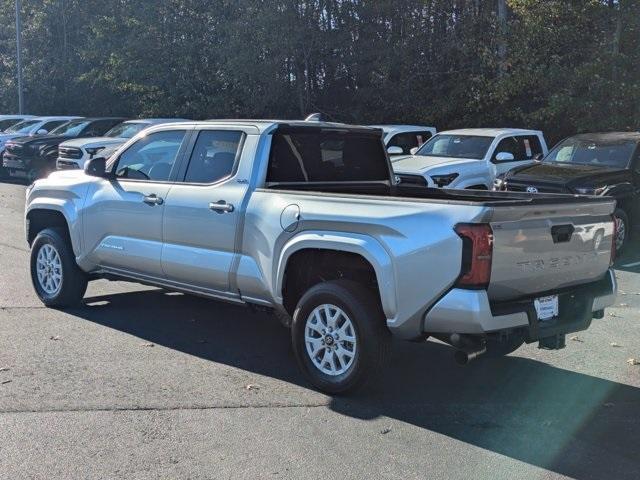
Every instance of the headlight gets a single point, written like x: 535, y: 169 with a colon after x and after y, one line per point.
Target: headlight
x: 590, y: 190
x: 444, y: 180
x: 92, y: 151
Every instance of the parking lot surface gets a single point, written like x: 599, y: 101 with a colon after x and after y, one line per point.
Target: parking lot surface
x: 144, y: 383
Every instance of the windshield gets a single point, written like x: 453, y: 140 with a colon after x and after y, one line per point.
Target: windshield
x: 611, y: 154
x: 126, y: 130
x: 70, y: 129
x: 22, y: 127
x: 456, y: 146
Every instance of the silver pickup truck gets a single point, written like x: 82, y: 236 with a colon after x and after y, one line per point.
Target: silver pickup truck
x: 308, y: 221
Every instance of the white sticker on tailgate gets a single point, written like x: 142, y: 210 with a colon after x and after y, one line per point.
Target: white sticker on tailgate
x: 546, y: 307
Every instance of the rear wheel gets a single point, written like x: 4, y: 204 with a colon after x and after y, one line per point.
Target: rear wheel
x: 56, y: 278
x: 339, y: 336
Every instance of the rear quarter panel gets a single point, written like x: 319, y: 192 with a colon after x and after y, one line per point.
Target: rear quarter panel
x: 412, y: 245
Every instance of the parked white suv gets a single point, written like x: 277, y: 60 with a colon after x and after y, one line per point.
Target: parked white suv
x: 75, y: 153
x: 470, y: 158
x: 401, y: 139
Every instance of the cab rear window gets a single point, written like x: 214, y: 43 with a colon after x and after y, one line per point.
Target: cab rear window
x: 301, y: 157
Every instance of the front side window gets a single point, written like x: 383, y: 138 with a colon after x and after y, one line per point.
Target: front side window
x: 126, y: 130
x: 213, y: 156
x: 70, y: 129
x: 150, y: 158
x: 604, y: 153
x: 456, y: 146
x: 508, y: 145
x: 23, y: 127
x: 409, y: 140
x: 52, y: 125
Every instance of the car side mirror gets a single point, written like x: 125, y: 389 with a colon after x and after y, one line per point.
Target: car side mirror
x: 414, y: 150
x: 505, y: 157
x: 395, y: 150
x: 42, y: 131
x: 96, y: 167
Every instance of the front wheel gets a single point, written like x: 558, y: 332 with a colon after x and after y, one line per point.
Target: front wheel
x: 622, y: 229
x: 56, y: 278
x: 339, y: 336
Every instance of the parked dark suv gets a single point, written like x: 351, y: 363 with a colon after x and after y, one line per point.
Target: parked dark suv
x: 606, y: 164
x: 35, y: 157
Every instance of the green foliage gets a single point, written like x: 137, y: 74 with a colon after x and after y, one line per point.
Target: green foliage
x: 558, y: 65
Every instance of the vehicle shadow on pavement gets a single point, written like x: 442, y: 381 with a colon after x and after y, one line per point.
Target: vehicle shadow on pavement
x: 570, y: 423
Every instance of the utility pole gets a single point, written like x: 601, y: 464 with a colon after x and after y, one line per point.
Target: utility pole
x: 19, y: 57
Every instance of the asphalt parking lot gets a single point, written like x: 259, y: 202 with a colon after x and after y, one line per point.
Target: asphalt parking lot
x: 143, y: 383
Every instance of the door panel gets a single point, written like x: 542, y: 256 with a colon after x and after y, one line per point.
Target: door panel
x: 123, y: 217
x: 201, y: 217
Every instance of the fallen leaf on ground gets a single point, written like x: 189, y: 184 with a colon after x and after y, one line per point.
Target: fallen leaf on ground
x: 633, y: 361
x: 252, y: 386
x: 623, y: 305
x: 614, y: 344
x: 148, y: 344
x: 6, y: 381
x: 55, y: 337
x: 4, y: 369
x: 611, y: 314
x: 385, y: 430
x: 575, y: 338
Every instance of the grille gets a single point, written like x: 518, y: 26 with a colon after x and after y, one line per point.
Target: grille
x: 514, y: 187
x: 70, y: 152
x: 412, y: 180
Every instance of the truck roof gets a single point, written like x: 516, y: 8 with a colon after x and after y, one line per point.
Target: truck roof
x: 490, y: 132
x: 267, y: 125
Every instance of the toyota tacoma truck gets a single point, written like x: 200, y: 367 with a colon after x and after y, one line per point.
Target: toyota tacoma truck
x: 470, y: 158
x: 306, y: 219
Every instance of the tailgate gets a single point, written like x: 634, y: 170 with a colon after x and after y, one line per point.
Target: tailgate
x: 543, y: 248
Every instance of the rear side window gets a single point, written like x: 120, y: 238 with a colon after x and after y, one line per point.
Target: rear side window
x: 530, y: 146
x: 213, y: 156
x: 326, y: 157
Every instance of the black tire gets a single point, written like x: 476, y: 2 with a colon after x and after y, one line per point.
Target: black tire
x: 373, y: 339
x: 622, y: 217
x: 498, y: 348
x: 74, y: 281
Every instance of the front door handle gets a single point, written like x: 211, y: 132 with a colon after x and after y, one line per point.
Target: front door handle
x: 221, y: 207
x: 152, y: 199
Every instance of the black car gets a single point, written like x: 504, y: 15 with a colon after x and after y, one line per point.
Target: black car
x: 35, y: 157
x: 606, y: 164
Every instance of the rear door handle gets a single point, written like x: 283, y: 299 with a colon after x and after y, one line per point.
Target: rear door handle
x: 152, y: 199
x: 221, y: 207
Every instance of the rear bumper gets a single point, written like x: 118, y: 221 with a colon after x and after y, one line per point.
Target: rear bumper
x: 471, y: 312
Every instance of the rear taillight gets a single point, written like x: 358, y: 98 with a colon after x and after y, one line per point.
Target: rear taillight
x: 613, y: 239
x: 477, y: 254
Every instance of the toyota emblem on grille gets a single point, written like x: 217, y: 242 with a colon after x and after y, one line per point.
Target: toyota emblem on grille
x: 532, y: 190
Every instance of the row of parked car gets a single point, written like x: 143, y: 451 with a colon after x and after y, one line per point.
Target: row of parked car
x: 501, y: 159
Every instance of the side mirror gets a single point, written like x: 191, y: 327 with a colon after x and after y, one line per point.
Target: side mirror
x: 42, y: 131
x: 96, y: 167
x: 505, y: 157
x: 395, y: 151
x: 414, y: 150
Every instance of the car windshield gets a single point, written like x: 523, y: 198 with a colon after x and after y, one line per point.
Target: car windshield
x: 22, y: 127
x: 126, y: 130
x: 70, y: 129
x: 605, y: 153
x: 456, y: 146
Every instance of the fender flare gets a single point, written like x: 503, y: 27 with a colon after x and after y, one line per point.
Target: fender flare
x: 367, y: 247
x: 66, y: 208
